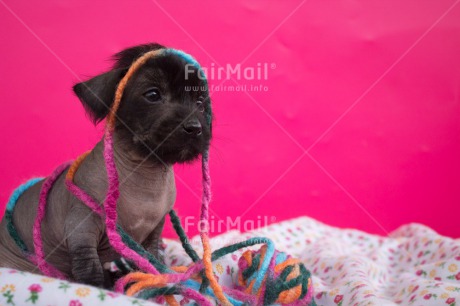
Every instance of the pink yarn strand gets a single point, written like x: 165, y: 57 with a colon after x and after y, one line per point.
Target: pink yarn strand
x: 84, y: 197
x: 189, y: 293
x: 44, y: 267
x: 206, y: 198
x: 110, y: 207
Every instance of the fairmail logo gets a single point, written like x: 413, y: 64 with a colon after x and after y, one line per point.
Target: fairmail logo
x: 226, y: 224
x: 259, y: 72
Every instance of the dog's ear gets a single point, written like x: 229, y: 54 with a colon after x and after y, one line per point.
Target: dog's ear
x: 97, y: 94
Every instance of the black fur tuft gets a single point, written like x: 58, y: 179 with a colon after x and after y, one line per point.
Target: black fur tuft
x: 125, y: 58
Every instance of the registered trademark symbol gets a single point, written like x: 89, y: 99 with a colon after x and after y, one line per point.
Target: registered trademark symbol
x: 273, y: 219
x: 272, y: 66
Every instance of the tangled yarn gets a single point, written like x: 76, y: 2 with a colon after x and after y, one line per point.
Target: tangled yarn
x: 286, y: 280
x: 266, y: 276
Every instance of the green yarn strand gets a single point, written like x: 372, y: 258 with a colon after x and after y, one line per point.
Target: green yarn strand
x: 152, y: 293
x: 175, y: 220
x: 162, y: 268
x: 14, y: 233
x: 306, y: 276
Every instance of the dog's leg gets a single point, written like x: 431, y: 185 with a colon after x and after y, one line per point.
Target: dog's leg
x: 83, y: 230
x: 153, y: 242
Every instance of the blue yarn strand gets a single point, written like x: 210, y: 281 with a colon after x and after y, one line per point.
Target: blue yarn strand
x: 19, y: 191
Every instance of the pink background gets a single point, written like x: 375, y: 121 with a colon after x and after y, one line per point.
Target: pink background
x: 359, y: 127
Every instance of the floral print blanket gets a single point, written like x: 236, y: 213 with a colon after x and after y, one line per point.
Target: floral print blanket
x: 412, y: 266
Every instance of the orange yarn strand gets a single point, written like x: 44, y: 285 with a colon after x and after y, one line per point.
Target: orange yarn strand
x: 218, y: 292
x: 73, y: 168
x: 121, y: 86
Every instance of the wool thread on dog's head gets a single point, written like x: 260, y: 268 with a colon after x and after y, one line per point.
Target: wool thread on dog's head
x: 266, y: 275
x: 113, y: 193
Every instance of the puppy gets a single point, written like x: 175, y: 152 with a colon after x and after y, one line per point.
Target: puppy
x: 159, y: 123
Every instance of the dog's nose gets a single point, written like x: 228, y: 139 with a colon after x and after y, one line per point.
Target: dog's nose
x: 192, y: 127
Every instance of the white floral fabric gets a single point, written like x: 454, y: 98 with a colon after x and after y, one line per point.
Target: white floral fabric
x: 19, y: 288
x: 412, y: 266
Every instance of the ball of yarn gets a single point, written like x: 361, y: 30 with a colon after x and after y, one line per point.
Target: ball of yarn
x: 285, y: 281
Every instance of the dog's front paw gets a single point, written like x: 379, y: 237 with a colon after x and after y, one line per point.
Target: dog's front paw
x: 88, y: 271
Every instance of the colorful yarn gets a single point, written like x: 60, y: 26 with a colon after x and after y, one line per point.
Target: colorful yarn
x: 204, y: 234
x: 112, y: 174
x: 266, y: 276
x: 110, y: 209
x: 286, y: 282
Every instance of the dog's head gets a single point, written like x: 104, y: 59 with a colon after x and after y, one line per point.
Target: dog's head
x: 164, y: 109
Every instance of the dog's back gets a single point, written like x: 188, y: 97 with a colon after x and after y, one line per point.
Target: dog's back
x: 24, y: 214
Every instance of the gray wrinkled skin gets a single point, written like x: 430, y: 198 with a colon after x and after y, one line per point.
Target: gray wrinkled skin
x: 74, y: 237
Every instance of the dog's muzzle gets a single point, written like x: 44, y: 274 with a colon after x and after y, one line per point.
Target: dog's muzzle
x: 192, y: 127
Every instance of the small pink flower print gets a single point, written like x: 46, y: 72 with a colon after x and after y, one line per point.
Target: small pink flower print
x: 35, y: 288
x: 427, y: 296
x: 415, y: 288
x: 338, y: 299
x: 420, y: 254
x: 229, y: 271
x: 113, y: 294
x: 457, y: 258
x: 412, y: 298
x: 319, y: 295
x: 450, y: 301
x: 75, y: 303
x: 419, y: 272
x: 457, y: 276
x: 234, y: 257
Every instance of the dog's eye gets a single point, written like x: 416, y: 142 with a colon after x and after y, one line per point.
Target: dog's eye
x: 153, y: 95
x: 200, y: 106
